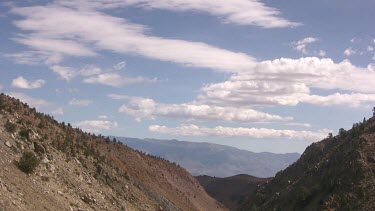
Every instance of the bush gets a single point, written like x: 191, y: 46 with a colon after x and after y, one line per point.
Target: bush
x: 28, y: 162
x: 25, y: 133
x: 10, y: 127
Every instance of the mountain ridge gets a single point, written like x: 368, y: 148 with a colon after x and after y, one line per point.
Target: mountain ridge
x: 213, y: 159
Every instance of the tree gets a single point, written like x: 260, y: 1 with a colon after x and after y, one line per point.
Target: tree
x: 341, y: 131
x: 373, y: 109
x: 330, y: 135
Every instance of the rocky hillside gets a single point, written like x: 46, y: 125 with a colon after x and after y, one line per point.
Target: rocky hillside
x: 82, y: 171
x: 231, y: 191
x: 214, y: 159
x: 337, y: 173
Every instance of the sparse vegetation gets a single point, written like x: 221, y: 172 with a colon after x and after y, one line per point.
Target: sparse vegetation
x: 28, y: 162
x: 10, y: 127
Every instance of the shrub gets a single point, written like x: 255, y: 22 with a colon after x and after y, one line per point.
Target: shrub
x: 10, y: 127
x: 28, y: 162
x: 25, y: 134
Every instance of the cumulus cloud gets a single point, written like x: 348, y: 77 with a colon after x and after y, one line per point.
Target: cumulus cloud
x: 74, y: 32
x: 102, y: 117
x: 240, y: 12
x: 80, y: 102
x: 116, y: 80
x: 31, y: 101
x: 148, y: 108
x: 349, y: 52
x: 303, y: 46
x: 289, y: 82
x: 21, y: 82
x: 256, y: 133
x: 96, y: 126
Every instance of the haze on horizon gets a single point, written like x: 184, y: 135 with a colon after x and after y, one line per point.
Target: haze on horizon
x: 257, y: 75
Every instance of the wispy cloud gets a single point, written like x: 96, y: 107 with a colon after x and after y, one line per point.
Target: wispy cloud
x: 239, y: 12
x: 81, y: 102
x: 148, y: 108
x: 116, y: 80
x: 96, y: 126
x: 256, y: 133
x: 73, y: 32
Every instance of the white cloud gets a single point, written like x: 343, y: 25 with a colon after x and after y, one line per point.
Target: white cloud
x: 31, y: 101
x: 119, y: 66
x: 68, y: 73
x: 80, y: 102
x: 116, y: 80
x: 257, y: 133
x: 322, y: 53
x: 240, y: 12
x: 1, y: 86
x: 102, y: 117
x: 299, y: 124
x: 148, y: 108
x: 302, y: 45
x: 65, y: 26
x: 370, y: 48
x: 349, y: 51
x: 58, y: 111
x: 289, y: 82
x: 22, y: 83
x: 96, y: 126
x: 119, y: 97
x: 35, y: 57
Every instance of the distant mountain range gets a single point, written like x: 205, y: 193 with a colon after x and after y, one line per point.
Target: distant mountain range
x: 213, y: 159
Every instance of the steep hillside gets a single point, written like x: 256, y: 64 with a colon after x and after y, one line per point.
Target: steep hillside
x: 82, y: 171
x: 231, y: 191
x: 337, y: 173
x: 214, y: 159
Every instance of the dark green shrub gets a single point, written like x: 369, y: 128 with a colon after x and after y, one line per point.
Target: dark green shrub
x: 28, y: 162
x: 25, y: 133
x: 10, y: 127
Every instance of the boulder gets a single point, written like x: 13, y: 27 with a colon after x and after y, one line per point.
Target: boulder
x: 8, y: 144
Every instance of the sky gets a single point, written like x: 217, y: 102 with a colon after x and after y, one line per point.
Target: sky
x: 270, y: 76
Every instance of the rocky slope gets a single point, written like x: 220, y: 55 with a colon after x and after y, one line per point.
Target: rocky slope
x: 337, y: 173
x: 214, y: 159
x: 231, y: 191
x: 82, y: 171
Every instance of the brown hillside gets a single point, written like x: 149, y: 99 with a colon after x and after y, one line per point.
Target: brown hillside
x: 337, y: 173
x: 81, y: 171
x: 231, y: 191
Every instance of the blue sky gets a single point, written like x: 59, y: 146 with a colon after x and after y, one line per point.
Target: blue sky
x: 259, y: 75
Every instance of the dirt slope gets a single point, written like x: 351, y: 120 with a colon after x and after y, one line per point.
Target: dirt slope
x: 82, y: 171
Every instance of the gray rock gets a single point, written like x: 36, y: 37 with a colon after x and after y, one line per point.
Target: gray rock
x: 38, y: 148
x: 8, y: 144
